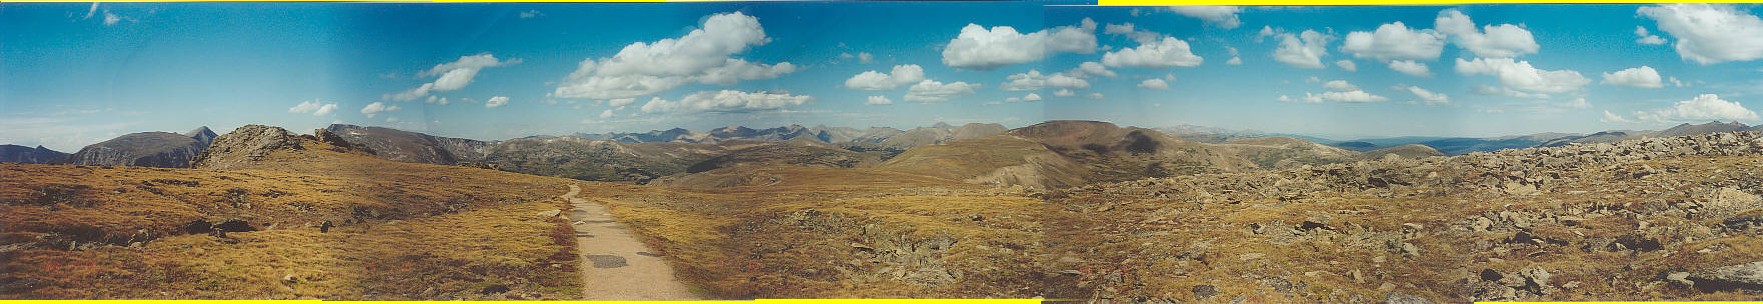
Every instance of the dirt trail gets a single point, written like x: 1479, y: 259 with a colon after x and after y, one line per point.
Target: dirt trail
x: 615, y: 263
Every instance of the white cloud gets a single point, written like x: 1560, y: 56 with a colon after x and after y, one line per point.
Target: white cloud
x: 437, y: 100
x: 1709, y: 34
x: 1168, y: 53
x: 1034, y: 80
x: 111, y: 19
x: 1504, y: 91
x: 496, y: 101
x: 91, y: 11
x: 1094, y: 96
x: 1089, y: 68
x: 1347, y: 65
x: 1677, y: 83
x: 1393, y: 41
x: 1646, y: 38
x: 1641, y: 77
x: 1154, y: 84
x: 1224, y: 17
x: 1132, y: 32
x: 1613, y: 118
x: 875, y: 81
x: 620, y: 102
x: 929, y: 91
x: 1430, y: 97
x: 725, y: 101
x: 1355, y: 96
x: 1303, y: 50
x: 879, y: 100
x: 1025, y: 98
x: 984, y: 49
x: 1520, y: 75
x: 1339, y: 85
x: 1705, y: 107
x: 1579, y: 103
x: 1064, y: 93
x: 453, y: 76
x: 865, y: 57
x: 702, y: 55
x: 376, y: 108
x: 1411, y: 68
x: 606, y: 114
x: 1495, y: 41
x: 531, y: 14
x: 313, y: 107
x: 1234, y: 61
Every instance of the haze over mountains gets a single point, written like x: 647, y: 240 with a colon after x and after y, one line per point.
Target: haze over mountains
x: 1052, y: 154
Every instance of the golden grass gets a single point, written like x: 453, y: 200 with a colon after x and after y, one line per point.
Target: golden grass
x: 404, y: 231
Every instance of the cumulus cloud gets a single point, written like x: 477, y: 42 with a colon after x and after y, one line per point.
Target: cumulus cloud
x: 1646, y: 38
x: 1494, y: 41
x: 1064, y: 93
x: 1613, y: 118
x: 879, y: 100
x: 1640, y: 77
x: 1709, y: 34
x: 1347, y: 65
x: 1303, y: 50
x: 1520, y: 75
x: 1394, y: 41
x: 1354, y: 96
x: 1339, y: 85
x: 1429, y: 97
x: 929, y: 91
x: 1705, y: 107
x: 376, y: 108
x: 724, y: 101
x: 450, y: 76
x: 1504, y: 91
x: 702, y: 55
x: 979, y: 48
x: 313, y: 107
x: 1132, y: 32
x: 1411, y: 67
x: 606, y: 114
x: 1034, y: 80
x: 1167, y: 53
x: 875, y: 81
x: 1025, y: 98
x: 1089, y: 68
x: 1224, y: 17
x: 1579, y: 103
x: 1154, y: 84
x: 496, y: 101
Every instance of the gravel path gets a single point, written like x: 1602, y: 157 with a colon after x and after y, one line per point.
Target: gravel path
x: 615, y: 263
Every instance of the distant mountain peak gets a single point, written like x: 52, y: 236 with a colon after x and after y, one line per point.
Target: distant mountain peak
x: 942, y: 125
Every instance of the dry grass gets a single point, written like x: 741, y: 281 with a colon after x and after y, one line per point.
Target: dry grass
x: 403, y: 231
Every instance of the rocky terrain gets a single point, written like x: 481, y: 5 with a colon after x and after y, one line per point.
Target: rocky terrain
x: 272, y: 215
x: 29, y: 155
x: 146, y: 149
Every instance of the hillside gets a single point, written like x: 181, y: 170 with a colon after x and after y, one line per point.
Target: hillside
x: 1666, y: 218
x: 146, y: 149
x: 1409, y: 151
x: 1069, y: 153
x: 302, y: 218
x: 29, y: 155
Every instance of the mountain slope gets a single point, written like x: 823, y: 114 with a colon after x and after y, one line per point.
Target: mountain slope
x: 146, y: 149
x: 412, y: 147
x: 28, y: 155
x: 302, y: 219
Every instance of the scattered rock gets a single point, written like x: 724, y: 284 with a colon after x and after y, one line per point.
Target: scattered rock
x: 1748, y: 276
x: 1681, y: 278
x: 550, y: 213
x: 1402, y: 298
x: 1203, y: 292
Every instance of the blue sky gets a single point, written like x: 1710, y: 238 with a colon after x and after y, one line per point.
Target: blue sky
x: 76, y: 74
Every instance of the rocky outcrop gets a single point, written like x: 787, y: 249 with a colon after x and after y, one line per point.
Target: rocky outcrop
x: 146, y: 149
x: 245, y: 145
x: 1748, y: 276
x: 202, y: 135
x: 412, y: 147
x: 28, y: 155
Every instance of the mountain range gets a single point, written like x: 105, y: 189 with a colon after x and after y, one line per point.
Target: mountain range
x: 1047, y: 155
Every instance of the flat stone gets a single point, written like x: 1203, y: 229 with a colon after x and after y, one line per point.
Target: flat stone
x: 607, y: 261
